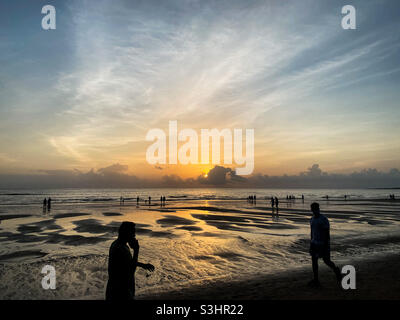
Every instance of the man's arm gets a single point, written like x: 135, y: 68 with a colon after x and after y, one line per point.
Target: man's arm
x: 326, y: 233
x: 135, y: 259
x: 135, y: 246
x: 146, y: 266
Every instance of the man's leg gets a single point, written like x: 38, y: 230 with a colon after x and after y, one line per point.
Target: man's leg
x: 330, y: 264
x: 315, y: 267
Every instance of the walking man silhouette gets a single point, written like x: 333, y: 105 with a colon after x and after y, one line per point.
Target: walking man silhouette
x: 320, y: 244
x: 122, y: 265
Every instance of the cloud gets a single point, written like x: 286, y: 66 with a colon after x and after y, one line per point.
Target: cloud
x: 116, y: 176
x: 313, y: 171
x: 220, y: 176
x: 113, y: 169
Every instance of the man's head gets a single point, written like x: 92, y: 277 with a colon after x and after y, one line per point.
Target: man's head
x: 126, y: 231
x: 315, y: 208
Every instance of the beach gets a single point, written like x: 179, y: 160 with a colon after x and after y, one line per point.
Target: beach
x: 204, y: 243
x: 377, y: 279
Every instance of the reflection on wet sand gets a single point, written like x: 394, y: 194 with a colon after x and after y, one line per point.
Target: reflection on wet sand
x: 210, y: 239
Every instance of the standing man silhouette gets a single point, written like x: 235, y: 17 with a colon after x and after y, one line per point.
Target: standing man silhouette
x: 49, y: 204
x: 320, y: 244
x: 122, y: 265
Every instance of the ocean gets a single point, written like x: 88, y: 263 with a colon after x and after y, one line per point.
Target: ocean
x: 199, y: 236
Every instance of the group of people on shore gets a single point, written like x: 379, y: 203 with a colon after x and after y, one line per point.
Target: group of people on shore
x: 146, y: 201
x: 252, y: 199
x: 274, y: 202
x: 162, y: 201
x: 293, y: 198
x: 392, y: 197
x: 46, y: 204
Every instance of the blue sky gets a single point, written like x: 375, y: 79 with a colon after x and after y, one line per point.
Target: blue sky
x: 84, y: 95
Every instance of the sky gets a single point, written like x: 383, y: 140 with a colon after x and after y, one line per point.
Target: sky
x: 83, y: 96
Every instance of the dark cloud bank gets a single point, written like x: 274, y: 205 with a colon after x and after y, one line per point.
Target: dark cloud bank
x: 115, y: 176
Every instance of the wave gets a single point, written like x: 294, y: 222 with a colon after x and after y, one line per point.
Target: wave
x: 19, y: 194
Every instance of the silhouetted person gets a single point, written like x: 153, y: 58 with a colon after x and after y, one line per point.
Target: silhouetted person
x: 272, y: 202
x: 320, y: 243
x: 164, y: 199
x: 276, y: 202
x: 255, y: 198
x: 345, y: 197
x: 44, y: 203
x: 137, y: 200
x: 149, y: 200
x: 122, y: 265
x: 49, y: 204
x: 302, y: 198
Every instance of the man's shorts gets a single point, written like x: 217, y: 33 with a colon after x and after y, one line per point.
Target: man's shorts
x: 320, y: 250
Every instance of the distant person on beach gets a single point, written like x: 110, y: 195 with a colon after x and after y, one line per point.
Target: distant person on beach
x: 272, y: 202
x: 302, y: 197
x: 122, y: 265
x: 49, y: 204
x: 164, y: 199
x: 276, y: 202
x: 137, y: 200
x: 44, y: 203
x: 320, y: 244
x: 149, y: 200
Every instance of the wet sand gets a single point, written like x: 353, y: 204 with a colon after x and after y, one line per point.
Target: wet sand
x: 201, y: 248
x: 376, y: 279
